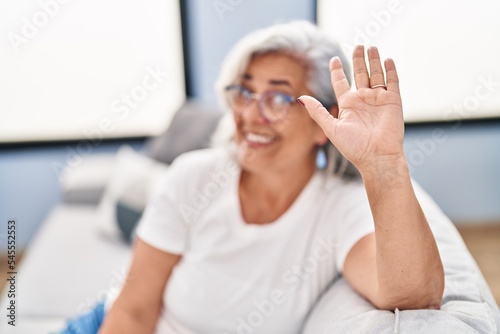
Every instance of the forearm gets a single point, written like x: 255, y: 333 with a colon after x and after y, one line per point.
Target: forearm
x: 121, y: 320
x: 409, y: 269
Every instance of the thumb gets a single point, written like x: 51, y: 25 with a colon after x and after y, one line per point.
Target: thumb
x: 319, y: 114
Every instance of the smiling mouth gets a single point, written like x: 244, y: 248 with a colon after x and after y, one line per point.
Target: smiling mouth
x: 254, y: 139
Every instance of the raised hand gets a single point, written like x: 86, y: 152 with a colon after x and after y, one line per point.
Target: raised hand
x: 369, y: 127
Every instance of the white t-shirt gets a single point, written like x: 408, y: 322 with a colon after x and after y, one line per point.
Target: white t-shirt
x: 245, y: 278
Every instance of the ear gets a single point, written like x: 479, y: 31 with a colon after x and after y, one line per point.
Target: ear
x: 320, y: 138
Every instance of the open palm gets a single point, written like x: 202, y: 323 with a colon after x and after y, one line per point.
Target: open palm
x: 369, y: 125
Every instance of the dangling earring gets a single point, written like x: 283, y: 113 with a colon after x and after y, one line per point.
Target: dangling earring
x: 321, y: 161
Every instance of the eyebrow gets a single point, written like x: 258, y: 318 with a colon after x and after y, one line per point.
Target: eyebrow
x: 273, y: 82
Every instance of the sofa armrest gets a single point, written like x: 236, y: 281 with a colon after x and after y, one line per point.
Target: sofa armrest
x: 85, y: 183
x: 330, y: 315
x: 467, y: 305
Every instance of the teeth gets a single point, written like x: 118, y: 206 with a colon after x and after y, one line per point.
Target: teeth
x: 260, y: 139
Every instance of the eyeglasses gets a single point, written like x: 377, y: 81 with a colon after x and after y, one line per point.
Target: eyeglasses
x: 273, y: 106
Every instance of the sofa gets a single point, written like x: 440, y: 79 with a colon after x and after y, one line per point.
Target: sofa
x: 80, y: 254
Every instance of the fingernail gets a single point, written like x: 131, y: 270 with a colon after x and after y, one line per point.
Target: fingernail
x: 300, y: 101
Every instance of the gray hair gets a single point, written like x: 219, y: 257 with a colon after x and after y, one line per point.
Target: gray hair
x: 306, y: 42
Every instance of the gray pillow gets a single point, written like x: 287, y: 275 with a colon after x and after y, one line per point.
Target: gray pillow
x: 191, y: 129
x: 127, y: 218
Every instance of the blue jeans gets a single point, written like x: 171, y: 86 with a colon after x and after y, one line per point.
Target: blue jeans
x: 87, y: 323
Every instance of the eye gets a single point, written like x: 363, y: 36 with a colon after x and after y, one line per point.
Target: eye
x: 238, y: 96
x: 279, y: 99
x: 245, y: 93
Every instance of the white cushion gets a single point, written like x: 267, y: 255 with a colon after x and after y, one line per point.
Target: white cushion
x: 30, y: 325
x: 69, y: 265
x: 85, y: 183
x: 133, y: 180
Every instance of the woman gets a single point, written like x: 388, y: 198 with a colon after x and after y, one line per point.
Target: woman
x: 246, y: 240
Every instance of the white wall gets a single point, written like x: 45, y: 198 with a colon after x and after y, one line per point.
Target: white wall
x: 89, y: 69
x: 446, y: 52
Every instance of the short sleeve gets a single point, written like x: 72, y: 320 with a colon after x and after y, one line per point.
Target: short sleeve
x: 162, y: 225
x: 354, y: 221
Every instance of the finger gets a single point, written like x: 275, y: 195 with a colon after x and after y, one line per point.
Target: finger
x: 361, y: 77
x: 339, y: 81
x: 392, y: 76
x: 376, y: 72
x: 319, y: 114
